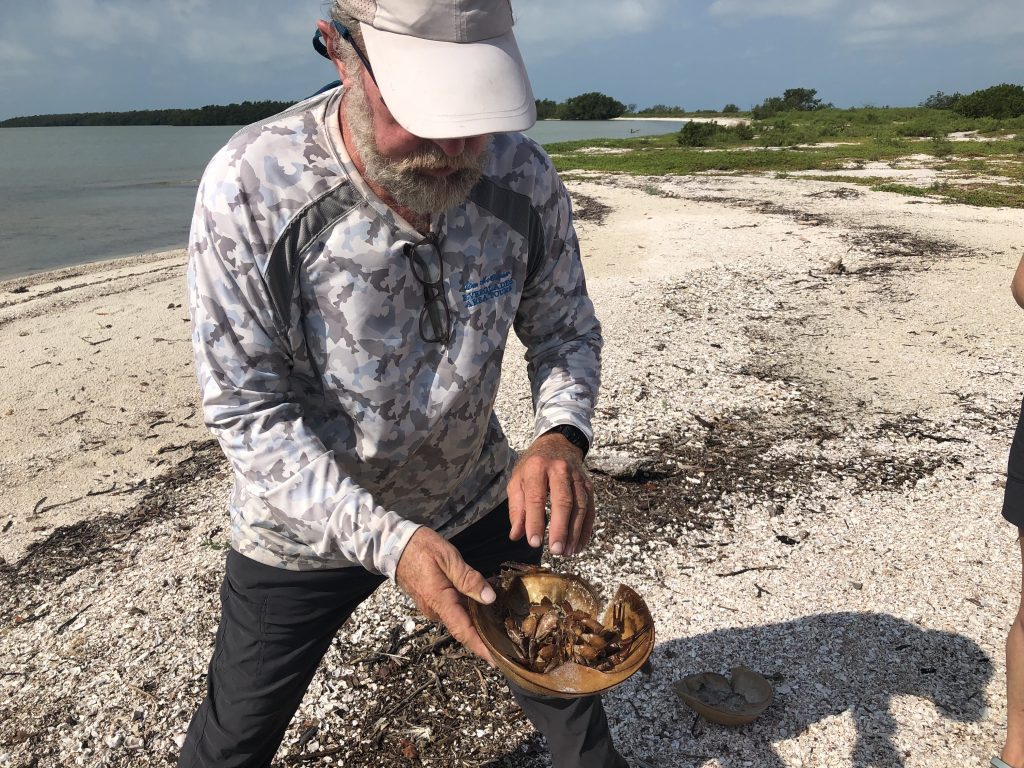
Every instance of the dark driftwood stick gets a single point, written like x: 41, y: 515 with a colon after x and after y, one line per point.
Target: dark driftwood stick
x: 68, y: 418
x: 406, y: 701
x: 752, y: 568
x: 48, y: 507
x: 71, y: 621
x: 296, y: 759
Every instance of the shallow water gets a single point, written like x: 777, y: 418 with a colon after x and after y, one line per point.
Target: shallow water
x: 73, y: 195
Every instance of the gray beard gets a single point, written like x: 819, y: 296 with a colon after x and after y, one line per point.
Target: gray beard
x: 403, y: 179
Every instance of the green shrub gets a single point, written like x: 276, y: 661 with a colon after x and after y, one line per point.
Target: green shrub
x: 803, y: 99
x: 780, y: 132
x: 592, y: 106
x: 940, y: 100
x: 661, y: 110
x: 792, y: 100
x: 941, y: 147
x: 902, y: 189
x: 1000, y: 101
x: 694, y: 134
x: 548, y: 109
x: 975, y: 165
x: 742, y: 131
x: 832, y: 128
x: 728, y: 109
x: 923, y: 128
x: 768, y: 108
x: 889, y: 140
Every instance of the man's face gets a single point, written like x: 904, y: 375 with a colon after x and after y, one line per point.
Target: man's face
x: 424, y: 175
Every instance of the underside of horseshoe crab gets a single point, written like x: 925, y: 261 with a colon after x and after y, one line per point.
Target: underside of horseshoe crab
x: 547, y: 633
x: 550, y: 634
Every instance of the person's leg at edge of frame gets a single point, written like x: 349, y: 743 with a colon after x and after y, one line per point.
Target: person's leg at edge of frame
x: 276, y: 626
x: 576, y: 730
x: 1013, y: 512
x: 1013, y: 749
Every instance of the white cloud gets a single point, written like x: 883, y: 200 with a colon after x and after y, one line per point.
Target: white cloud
x: 886, y: 21
x: 259, y: 31
x: 201, y: 31
x: 100, y: 24
x: 762, y: 8
x: 16, y: 60
x: 570, y: 24
x: 14, y: 54
x: 937, y: 21
x: 221, y: 39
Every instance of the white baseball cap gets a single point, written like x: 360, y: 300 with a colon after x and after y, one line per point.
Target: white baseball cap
x: 447, y: 68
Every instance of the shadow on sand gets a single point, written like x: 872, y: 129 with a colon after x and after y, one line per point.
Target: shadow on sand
x: 820, y: 666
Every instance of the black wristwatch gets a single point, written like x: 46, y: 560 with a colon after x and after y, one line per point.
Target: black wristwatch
x: 573, y: 435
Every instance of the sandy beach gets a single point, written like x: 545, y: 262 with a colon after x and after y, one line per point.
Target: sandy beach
x: 809, y: 392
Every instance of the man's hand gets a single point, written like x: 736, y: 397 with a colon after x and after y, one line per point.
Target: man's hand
x: 553, y: 467
x: 432, y: 572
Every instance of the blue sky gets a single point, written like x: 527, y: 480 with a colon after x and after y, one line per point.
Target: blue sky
x: 96, y: 55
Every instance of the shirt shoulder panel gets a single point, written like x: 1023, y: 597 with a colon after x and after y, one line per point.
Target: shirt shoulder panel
x: 521, y: 187
x: 278, y: 185
x: 270, y: 171
x: 520, y: 164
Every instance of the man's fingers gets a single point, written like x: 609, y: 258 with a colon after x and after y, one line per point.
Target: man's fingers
x: 456, y: 619
x: 588, y: 530
x: 535, y: 491
x: 475, y: 587
x: 466, y: 580
x: 433, y: 572
x: 516, y: 509
x: 583, y: 509
x: 563, y: 502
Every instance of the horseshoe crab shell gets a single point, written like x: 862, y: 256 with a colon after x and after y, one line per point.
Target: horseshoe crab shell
x: 736, y: 701
x: 516, y: 591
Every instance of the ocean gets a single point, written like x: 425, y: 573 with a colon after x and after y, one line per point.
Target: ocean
x: 74, y: 195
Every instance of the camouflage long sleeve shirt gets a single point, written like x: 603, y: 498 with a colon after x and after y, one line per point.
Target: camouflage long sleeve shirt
x: 345, y: 430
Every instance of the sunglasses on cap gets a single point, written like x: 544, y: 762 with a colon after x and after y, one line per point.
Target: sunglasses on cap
x: 320, y: 47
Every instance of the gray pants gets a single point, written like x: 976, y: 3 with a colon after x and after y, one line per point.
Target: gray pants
x: 275, y: 627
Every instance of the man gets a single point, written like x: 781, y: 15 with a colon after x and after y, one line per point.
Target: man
x: 356, y: 264
x: 1012, y: 753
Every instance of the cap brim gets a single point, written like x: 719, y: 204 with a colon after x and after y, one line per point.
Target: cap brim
x: 442, y: 90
